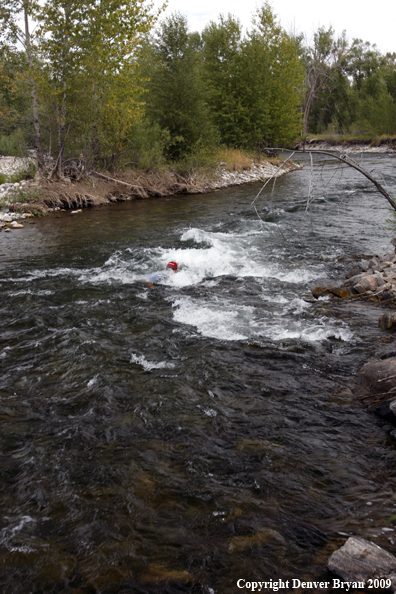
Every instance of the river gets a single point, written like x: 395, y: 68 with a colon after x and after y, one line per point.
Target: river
x: 181, y: 438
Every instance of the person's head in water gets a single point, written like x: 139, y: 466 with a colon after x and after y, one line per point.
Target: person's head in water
x: 172, y: 266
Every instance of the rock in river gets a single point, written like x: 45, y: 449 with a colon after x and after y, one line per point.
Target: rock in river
x: 360, y: 560
x: 375, y: 384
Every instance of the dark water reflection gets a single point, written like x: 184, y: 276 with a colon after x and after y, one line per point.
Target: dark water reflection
x: 179, y: 439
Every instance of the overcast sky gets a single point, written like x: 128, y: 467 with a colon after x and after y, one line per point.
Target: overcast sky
x: 371, y: 21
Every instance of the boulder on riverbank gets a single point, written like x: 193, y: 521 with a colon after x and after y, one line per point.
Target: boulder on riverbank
x: 372, y: 278
x: 362, y: 561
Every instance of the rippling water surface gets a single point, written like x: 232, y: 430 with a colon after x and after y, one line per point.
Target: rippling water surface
x: 181, y: 438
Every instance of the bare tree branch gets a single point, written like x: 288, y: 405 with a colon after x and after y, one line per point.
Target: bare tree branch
x: 347, y: 161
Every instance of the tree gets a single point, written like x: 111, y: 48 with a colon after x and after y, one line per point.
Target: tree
x: 254, y: 83
x: 322, y: 60
x: 12, y: 33
x: 89, y: 49
x: 222, y: 67
x: 285, y: 77
x: 176, y: 98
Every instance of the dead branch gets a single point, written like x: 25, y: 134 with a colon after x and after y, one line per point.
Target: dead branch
x: 272, y: 176
x: 117, y: 181
x: 351, y: 163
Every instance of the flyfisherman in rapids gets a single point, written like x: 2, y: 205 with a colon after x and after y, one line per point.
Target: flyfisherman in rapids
x: 157, y: 278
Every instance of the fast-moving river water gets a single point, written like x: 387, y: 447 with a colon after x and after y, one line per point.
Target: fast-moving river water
x: 181, y: 438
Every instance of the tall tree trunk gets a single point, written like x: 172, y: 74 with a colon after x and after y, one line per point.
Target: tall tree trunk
x: 36, y: 121
x: 62, y: 110
x: 61, y: 131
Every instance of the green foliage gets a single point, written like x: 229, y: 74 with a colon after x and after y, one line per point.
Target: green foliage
x: 222, y: 67
x: 201, y: 159
x: 90, y: 82
x: 254, y: 83
x: 172, y: 64
x: 358, y: 90
x: 111, y: 92
x: 147, y: 146
x: 13, y: 145
x: 15, y: 102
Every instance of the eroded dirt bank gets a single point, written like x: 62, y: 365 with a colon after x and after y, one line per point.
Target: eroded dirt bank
x: 103, y: 188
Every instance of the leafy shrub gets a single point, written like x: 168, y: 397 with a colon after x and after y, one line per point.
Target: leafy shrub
x: 13, y: 145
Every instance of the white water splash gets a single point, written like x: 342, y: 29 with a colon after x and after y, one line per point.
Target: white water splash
x: 149, y: 365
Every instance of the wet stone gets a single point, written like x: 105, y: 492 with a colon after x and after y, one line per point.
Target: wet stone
x: 374, y: 381
x: 355, y: 271
x: 354, y: 280
x: 392, y: 406
x: 359, y: 559
x: 387, y: 321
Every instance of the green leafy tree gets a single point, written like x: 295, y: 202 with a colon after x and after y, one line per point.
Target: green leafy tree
x: 373, y: 82
x: 222, y: 76
x: 284, y: 78
x: 12, y: 33
x: 90, y: 50
x: 254, y: 84
x: 175, y: 100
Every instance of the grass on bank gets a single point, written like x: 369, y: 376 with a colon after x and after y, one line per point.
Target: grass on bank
x: 335, y: 139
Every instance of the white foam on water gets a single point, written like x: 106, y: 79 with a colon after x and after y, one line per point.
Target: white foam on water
x: 223, y: 319
x: 3, y: 353
x: 11, y: 530
x: 214, y: 319
x: 92, y: 381
x: 297, y: 276
x: 313, y: 333
x: 149, y: 365
x: 240, y: 254
x: 222, y: 311
x: 279, y: 299
x: 235, y: 254
x: 209, y: 412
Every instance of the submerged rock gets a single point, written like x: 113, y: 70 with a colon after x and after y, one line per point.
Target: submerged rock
x: 237, y: 544
x: 360, y: 560
x: 160, y: 574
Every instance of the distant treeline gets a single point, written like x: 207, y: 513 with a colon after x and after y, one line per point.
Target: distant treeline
x: 109, y: 83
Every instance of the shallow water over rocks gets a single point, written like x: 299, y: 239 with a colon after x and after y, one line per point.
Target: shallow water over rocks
x: 181, y: 438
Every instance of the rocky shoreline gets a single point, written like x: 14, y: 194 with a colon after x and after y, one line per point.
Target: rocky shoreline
x: 372, y: 278
x: 360, y: 563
